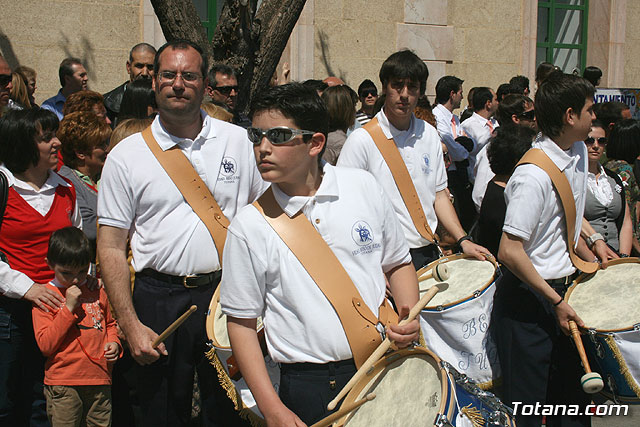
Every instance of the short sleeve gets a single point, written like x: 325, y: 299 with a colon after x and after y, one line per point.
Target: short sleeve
x: 525, y: 198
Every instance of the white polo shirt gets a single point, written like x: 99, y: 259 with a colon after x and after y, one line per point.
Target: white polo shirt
x: 483, y: 174
x: 136, y: 194
x: 535, y: 213
x: 262, y: 277
x: 421, y: 151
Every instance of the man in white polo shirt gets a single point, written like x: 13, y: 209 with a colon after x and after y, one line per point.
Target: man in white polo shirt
x: 263, y: 277
x: 530, y: 317
x: 404, y: 79
x: 481, y: 124
x: 174, y: 255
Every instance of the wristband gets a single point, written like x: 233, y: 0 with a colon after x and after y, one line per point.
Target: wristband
x: 463, y: 238
x: 591, y: 240
x: 559, y: 302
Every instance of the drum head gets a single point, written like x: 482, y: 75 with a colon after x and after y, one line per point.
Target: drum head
x: 608, y: 300
x: 409, y: 384
x: 466, y: 276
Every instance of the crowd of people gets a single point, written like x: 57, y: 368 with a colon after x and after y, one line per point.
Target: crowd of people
x: 164, y: 190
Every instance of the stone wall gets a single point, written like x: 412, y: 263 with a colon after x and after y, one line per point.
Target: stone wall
x: 41, y: 33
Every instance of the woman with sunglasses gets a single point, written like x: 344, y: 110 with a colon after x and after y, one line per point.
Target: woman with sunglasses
x: 623, y: 149
x: 605, y: 207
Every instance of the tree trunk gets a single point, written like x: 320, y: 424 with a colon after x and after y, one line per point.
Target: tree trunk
x: 251, y: 42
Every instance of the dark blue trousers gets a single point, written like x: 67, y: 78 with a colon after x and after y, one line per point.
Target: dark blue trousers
x: 165, y: 387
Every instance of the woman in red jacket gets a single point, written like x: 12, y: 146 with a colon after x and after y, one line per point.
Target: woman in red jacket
x: 38, y: 202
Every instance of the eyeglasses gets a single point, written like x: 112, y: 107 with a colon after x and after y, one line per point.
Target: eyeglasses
x: 277, y: 136
x: 226, y: 90
x: 590, y: 141
x: 4, y: 79
x: 366, y: 92
x: 170, y: 76
x: 528, y: 115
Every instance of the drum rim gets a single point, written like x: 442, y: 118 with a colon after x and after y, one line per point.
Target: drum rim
x: 584, y: 276
x: 446, y: 405
x: 210, y: 320
x: 482, y: 289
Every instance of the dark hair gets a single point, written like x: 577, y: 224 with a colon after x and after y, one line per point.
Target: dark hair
x: 519, y: 83
x: 470, y: 96
x: 597, y: 124
x: 296, y: 102
x: 544, y: 70
x: 18, y: 132
x: 610, y: 112
x: 136, y: 99
x: 445, y: 86
x: 555, y: 95
x: 341, y: 108
x: 84, y: 100
x: 593, y: 74
x: 511, y: 104
x: 141, y: 47
x: 181, y: 45
x: 366, y: 84
x: 82, y: 132
x: 69, y: 247
x: 508, y: 146
x: 223, y: 69
x: 624, y: 141
x: 505, y: 89
x: 404, y: 64
x: 66, y: 68
x: 480, y: 97
x: 317, y: 85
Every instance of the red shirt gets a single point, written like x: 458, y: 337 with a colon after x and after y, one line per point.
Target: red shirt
x: 74, y: 342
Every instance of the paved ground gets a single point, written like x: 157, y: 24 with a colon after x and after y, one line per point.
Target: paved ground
x: 630, y: 420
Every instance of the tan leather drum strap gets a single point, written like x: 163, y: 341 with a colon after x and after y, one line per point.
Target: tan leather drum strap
x: 398, y: 168
x: 560, y: 182
x: 193, y: 189
x: 318, y: 259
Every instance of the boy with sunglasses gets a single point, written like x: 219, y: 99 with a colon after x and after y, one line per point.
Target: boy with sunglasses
x: 530, y: 316
x: 263, y: 277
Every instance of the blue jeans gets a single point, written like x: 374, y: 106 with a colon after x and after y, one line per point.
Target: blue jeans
x: 22, y: 400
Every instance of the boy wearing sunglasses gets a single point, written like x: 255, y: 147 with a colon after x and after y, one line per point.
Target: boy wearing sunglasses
x: 5, y: 84
x: 263, y: 277
x: 530, y: 316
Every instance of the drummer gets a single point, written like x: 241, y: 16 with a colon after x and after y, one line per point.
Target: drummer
x: 404, y: 80
x: 262, y: 277
x: 529, y: 314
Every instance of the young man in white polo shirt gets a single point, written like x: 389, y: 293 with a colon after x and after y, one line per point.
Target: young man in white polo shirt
x: 539, y: 363
x: 263, y: 277
x: 404, y: 79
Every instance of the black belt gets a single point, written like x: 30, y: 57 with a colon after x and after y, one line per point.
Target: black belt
x: 319, y: 367
x: 562, y: 281
x: 191, y: 281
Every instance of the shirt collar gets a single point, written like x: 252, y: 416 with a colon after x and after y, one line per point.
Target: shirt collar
x: 390, y: 131
x: 59, y: 97
x: 166, y: 140
x: 560, y: 157
x: 291, y: 205
x: 444, y: 112
x: 52, y: 181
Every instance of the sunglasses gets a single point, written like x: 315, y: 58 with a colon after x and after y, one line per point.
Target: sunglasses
x: 601, y: 141
x: 226, y: 90
x: 4, y: 79
x: 365, y: 93
x: 170, y: 76
x: 277, y: 136
x: 528, y: 115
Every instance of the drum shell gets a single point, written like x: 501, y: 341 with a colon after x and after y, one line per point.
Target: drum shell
x: 458, y: 332
x: 613, y: 353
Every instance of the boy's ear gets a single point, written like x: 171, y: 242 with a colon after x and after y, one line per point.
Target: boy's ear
x: 569, y: 117
x: 316, y: 144
x: 48, y: 263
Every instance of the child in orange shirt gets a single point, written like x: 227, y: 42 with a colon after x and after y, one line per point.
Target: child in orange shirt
x: 79, y: 340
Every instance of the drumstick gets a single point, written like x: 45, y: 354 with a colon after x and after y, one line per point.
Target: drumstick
x: 172, y: 327
x: 440, y: 272
x: 591, y: 381
x: 327, y: 421
x: 386, y: 344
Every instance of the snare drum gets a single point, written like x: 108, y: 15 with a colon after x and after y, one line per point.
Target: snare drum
x: 608, y: 302
x: 413, y: 387
x: 455, y: 325
x: 219, y: 356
